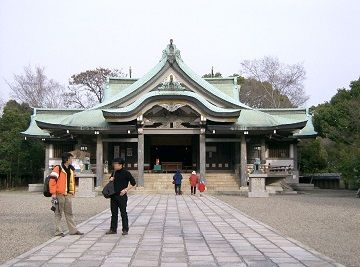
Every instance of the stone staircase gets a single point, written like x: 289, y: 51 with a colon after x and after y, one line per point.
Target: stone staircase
x: 215, y: 182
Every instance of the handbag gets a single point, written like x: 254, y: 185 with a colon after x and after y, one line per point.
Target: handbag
x: 108, y: 190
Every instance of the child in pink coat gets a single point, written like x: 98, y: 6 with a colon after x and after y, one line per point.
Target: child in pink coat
x: 201, y: 186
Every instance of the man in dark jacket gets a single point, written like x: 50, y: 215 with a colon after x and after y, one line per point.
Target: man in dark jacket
x: 177, y: 182
x: 121, y: 179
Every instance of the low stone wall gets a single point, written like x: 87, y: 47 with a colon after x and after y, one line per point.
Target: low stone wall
x: 36, y: 187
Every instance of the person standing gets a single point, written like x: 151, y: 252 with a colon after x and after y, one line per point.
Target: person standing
x: 177, y: 182
x: 121, y: 179
x: 193, y: 182
x: 62, y: 190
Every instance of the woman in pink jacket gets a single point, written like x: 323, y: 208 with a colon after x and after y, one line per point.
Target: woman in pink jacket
x: 193, y: 182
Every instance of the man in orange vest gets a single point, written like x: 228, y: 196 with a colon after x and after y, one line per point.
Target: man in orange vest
x: 62, y: 189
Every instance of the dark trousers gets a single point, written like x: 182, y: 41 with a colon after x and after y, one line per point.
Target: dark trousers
x: 119, y: 202
x: 193, y: 190
x: 178, y: 189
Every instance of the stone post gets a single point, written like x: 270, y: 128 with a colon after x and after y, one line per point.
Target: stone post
x: 99, y: 160
x: 140, y: 157
x: 202, y: 152
x: 243, y: 162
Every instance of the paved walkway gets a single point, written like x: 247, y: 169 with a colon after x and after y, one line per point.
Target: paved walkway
x: 168, y: 230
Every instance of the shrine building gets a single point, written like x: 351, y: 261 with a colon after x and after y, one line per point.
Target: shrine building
x: 172, y: 118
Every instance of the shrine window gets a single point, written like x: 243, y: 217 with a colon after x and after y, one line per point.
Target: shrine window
x: 280, y: 151
x: 59, y: 149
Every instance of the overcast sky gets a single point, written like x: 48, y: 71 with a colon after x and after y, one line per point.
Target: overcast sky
x: 70, y: 36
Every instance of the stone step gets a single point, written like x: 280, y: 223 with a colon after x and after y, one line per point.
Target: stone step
x: 162, y: 182
x: 187, y: 183
x: 213, y: 179
x: 186, y: 178
x: 302, y: 187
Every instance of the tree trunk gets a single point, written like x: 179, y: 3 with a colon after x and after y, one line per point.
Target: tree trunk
x: 17, y: 169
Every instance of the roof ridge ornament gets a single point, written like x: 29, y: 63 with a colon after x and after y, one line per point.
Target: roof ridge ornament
x: 171, y: 52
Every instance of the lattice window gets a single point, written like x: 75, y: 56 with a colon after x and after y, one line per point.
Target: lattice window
x: 59, y: 149
x: 279, y: 151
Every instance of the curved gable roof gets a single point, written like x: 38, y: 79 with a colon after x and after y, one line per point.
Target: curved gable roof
x: 170, y: 59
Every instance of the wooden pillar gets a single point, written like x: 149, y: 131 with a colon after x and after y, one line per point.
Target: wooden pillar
x: 47, y: 159
x: 243, y: 162
x: 295, y: 167
x: 99, y: 160
x: 51, y: 151
x: 295, y: 156
x: 291, y: 151
x: 263, y: 151
x: 202, y: 152
x: 140, y: 159
x: 106, y: 157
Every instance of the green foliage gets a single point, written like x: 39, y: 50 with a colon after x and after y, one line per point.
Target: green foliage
x: 338, y: 123
x: 313, y: 156
x: 20, y: 161
x: 211, y: 75
x: 349, y: 159
x: 339, y: 120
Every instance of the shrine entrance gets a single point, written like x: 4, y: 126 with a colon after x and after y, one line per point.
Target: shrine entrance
x: 172, y: 152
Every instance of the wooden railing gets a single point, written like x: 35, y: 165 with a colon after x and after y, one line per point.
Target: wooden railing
x: 171, y: 166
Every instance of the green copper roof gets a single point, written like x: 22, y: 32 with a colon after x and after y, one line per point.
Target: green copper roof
x: 171, y: 55
x: 218, y: 103
x: 130, y: 89
x: 226, y: 85
x: 174, y: 94
x: 34, y: 130
x: 257, y: 119
x: 308, y: 130
x: 86, y: 119
x: 207, y: 86
x: 116, y: 85
x: 52, y: 116
x: 295, y: 114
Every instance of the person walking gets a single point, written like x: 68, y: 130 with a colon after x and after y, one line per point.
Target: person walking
x: 201, y: 186
x: 177, y: 182
x: 194, y: 179
x: 121, y: 179
x: 62, y: 189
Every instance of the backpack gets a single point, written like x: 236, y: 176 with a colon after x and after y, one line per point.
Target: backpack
x: 46, y: 184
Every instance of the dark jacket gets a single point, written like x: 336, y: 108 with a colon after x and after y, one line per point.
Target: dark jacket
x: 177, y: 177
x: 122, y: 178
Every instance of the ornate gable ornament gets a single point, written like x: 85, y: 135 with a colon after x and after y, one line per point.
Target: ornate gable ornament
x: 171, y: 107
x: 171, y: 84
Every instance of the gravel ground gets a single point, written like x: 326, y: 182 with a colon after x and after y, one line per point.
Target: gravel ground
x: 326, y: 220
x: 26, y: 220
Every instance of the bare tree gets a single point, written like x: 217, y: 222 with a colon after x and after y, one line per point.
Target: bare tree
x: 34, y: 88
x: 277, y: 80
x: 87, y: 88
x: 252, y: 94
x: 2, y: 104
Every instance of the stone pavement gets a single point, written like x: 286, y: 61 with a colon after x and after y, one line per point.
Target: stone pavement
x: 168, y: 230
